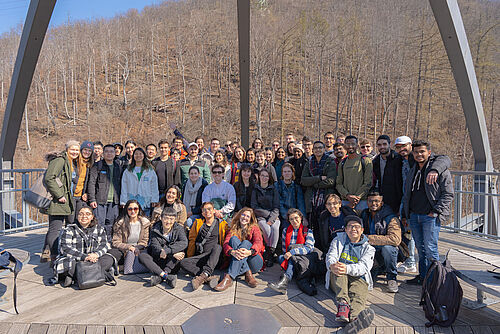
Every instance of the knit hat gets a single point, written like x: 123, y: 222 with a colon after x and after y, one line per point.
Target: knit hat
x: 353, y: 218
x: 402, y: 140
x: 298, y: 147
x: 87, y: 144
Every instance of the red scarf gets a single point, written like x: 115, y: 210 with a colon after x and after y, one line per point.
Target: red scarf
x: 300, y: 240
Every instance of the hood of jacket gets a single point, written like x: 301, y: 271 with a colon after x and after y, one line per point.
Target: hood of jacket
x: 54, y: 154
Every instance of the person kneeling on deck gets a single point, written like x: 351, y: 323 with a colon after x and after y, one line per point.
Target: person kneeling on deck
x: 166, y: 248
x: 205, y: 246
x: 298, y: 242
x: 244, y: 246
x: 384, y: 233
x: 348, y: 262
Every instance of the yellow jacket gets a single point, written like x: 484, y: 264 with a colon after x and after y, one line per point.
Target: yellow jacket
x: 195, y: 229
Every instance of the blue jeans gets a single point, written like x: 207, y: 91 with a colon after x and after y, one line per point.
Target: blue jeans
x: 106, y: 215
x: 362, y: 204
x: 190, y: 220
x: 289, y: 269
x: 425, y: 232
x: 387, y: 259
x: 239, y: 267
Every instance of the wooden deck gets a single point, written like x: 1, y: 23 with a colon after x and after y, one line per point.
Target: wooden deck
x: 132, y: 307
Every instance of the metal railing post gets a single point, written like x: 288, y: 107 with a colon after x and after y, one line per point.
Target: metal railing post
x: 25, y: 206
x: 458, y: 201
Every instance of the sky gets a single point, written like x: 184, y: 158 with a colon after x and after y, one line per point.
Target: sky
x: 13, y: 12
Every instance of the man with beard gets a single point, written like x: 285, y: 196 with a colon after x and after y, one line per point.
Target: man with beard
x: 329, y: 141
x: 340, y: 152
x: 354, y: 178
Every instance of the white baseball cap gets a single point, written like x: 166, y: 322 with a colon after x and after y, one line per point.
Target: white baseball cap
x: 402, y: 140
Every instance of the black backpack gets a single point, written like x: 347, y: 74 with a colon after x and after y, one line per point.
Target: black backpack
x: 441, y: 294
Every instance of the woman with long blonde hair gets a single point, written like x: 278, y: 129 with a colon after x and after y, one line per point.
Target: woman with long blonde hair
x: 243, y: 244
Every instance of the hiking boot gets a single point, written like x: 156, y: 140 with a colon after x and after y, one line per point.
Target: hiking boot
x: 363, y: 321
x: 392, y: 286
x: 171, y: 280
x: 251, y: 281
x: 45, y: 257
x: 199, y: 280
x: 305, y: 285
x: 155, y: 280
x: 226, y: 282
x: 405, y: 268
x: 417, y: 280
x: 269, y: 257
x: 281, y: 285
x: 343, y: 310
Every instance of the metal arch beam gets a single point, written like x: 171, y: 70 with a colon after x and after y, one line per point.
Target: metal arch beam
x: 34, y: 30
x: 244, y: 58
x: 451, y: 27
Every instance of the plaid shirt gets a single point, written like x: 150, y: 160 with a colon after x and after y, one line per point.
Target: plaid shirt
x: 302, y: 250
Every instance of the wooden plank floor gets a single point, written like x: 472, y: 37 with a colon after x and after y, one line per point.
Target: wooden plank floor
x: 132, y: 307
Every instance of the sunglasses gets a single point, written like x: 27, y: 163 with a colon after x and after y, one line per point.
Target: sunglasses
x: 133, y: 209
x: 220, y: 172
x: 365, y: 146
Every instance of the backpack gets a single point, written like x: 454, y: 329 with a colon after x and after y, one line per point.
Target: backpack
x: 5, y: 264
x: 441, y: 294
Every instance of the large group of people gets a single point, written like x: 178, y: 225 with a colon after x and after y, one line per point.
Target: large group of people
x: 327, y: 208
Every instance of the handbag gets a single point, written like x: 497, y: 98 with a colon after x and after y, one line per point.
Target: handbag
x: 38, y: 196
x: 131, y: 264
x: 89, y: 275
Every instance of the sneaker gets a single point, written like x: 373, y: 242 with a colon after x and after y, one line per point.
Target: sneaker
x: 417, y: 280
x: 171, y: 280
x: 392, y: 285
x: 343, y: 310
x: 155, y: 280
x: 363, y: 321
x: 405, y: 268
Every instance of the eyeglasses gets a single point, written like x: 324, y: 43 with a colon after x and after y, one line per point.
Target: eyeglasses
x: 85, y: 214
x: 133, y: 209
x: 365, y: 146
x: 219, y: 172
x: 318, y: 148
x: 354, y: 227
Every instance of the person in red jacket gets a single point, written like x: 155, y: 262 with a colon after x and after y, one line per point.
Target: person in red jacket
x: 243, y: 244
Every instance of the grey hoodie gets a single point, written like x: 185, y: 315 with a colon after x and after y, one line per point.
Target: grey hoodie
x: 360, y: 257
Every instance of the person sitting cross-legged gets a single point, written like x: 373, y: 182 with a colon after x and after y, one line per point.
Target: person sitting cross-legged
x: 383, y: 230
x: 243, y: 244
x: 348, y: 262
x: 206, y: 237
x: 298, y: 241
x: 166, y: 248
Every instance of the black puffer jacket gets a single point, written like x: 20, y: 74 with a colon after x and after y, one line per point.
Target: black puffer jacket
x: 266, y: 202
x: 178, y: 242
x: 324, y: 240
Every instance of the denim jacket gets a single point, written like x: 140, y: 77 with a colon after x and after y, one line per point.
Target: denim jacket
x: 291, y: 196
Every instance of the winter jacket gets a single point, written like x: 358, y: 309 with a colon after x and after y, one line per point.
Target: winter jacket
x: 354, y: 177
x: 182, y: 170
x: 324, y: 238
x: 197, y: 209
x: 145, y: 190
x: 99, y: 182
x: 75, y: 244
x: 255, y: 238
x: 291, y: 196
x: 157, y: 242
x: 387, y: 227
x: 391, y: 186
x: 120, y: 235
x: 58, y: 182
x: 165, y: 172
x: 299, y: 165
x: 195, y: 229
x: 243, y: 195
x: 266, y: 202
x: 313, y: 182
x: 439, y: 194
x: 342, y: 244
x: 278, y: 164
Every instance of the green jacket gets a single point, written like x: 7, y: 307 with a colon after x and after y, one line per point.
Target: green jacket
x: 59, y: 169
x: 355, y: 177
x: 183, y: 170
x: 314, y: 182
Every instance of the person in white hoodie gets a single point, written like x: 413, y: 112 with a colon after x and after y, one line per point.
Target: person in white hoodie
x: 348, y: 262
x: 139, y: 182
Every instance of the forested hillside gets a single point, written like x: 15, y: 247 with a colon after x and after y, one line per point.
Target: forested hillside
x: 364, y: 67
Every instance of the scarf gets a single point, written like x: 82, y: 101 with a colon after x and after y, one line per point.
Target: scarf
x: 235, y: 169
x: 191, y: 192
x: 300, y: 240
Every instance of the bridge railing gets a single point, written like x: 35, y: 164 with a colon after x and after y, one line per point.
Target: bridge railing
x: 475, y: 208
x: 16, y: 214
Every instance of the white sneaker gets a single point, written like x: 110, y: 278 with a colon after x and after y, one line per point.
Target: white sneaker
x: 404, y: 268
